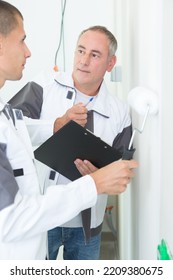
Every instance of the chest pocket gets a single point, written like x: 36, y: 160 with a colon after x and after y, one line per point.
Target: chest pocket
x: 20, y: 155
x: 22, y: 131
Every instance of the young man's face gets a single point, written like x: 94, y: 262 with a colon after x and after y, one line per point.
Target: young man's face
x: 92, y: 59
x: 13, y: 53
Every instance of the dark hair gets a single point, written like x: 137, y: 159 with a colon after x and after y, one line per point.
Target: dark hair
x: 8, y: 17
x: 102, y: 29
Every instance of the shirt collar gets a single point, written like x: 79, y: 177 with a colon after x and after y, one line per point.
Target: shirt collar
x: 101, y: 104
x: 2, y: 105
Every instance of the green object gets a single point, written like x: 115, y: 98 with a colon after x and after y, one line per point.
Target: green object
x: 163, y: 251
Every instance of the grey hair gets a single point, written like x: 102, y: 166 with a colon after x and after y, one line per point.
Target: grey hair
x: 8, y: 17
x: 102, y: 29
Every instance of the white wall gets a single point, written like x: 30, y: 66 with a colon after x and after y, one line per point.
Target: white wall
x: 147, y: 60
x: 166, y: 211
x: 147, y: 72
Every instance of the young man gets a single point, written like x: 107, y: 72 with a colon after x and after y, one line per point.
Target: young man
x: 62, y: 97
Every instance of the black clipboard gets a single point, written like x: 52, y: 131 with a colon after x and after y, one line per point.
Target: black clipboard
x: 73, y: 141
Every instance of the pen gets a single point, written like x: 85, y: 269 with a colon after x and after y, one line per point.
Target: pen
x: 89, y: 101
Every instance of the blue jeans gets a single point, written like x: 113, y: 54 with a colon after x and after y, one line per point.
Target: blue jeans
x: 73, y: 241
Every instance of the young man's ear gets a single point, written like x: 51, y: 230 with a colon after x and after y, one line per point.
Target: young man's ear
x: 111, y: 63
